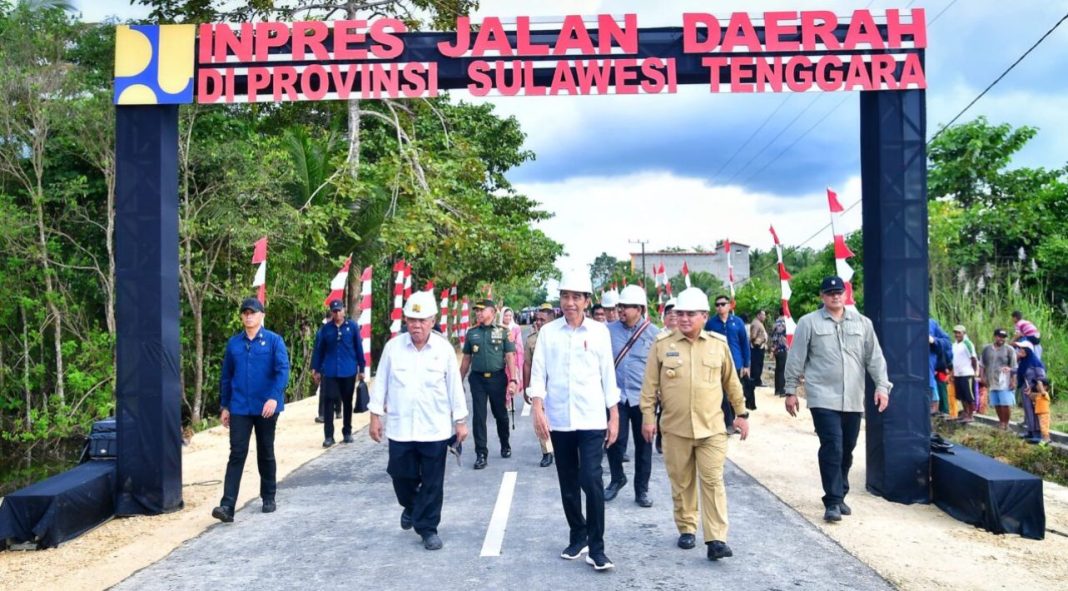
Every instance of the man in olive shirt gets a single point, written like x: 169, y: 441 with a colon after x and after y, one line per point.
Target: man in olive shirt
x: 832, y: 349
x: 486, y: 350
x: 692, y: 369
x: 542, y: 316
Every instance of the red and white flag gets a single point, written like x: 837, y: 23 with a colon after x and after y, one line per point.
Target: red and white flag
x: 364, y: 322
x: 338, y: 283
x: 259, y: 257
x: 454, y: 301
x: 407, y: 281
x: 841, y: 249
x: 730, y: 270
x: 686, y: 274
x: 787, y: 293
x: 443, y: 326
x: 398, y: 299
x: 464, y: 322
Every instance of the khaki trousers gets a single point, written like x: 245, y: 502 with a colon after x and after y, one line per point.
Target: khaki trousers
x: 689, y: 461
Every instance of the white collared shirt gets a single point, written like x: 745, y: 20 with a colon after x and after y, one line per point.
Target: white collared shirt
x: 574, y: 372
x: 419, y: 391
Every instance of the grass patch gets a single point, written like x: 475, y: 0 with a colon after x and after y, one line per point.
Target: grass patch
x: 1046, y: 462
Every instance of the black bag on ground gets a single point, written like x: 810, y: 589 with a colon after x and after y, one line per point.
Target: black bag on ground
x: 363, y: 397
x: 102, y: 442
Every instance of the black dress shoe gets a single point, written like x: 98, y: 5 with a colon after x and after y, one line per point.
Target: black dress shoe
x: 318, y: 419
x: 844, y: 509
x: 546, y: 460
x: 347, y: 439
x: 686, y: 541
x: 432, y: 542
x: 659, y: 445
x: 328, y: 442
x: 833, y: 513
x: 337, y: 415
x: 506, y: 452
x: 613, y: 489
x: 406, y: 519
x: 269, y: 506
x: 643, y: 500
x: 718, y: 549
x: 223, y: 513
x: 480, y: 462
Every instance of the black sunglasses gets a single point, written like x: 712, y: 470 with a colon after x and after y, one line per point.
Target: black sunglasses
x: 721, y: 304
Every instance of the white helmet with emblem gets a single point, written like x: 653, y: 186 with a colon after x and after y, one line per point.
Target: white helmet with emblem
x: 692, y: 299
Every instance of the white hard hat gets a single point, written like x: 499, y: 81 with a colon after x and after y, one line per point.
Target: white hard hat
x: 671, y: 303
x: 576, y: 281
x: 633, y: 295
x: 420, y: 305
x: 692, y: 299
x: 610, y: 299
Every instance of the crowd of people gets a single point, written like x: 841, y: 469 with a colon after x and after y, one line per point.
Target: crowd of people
x: 603, y: 378
x: 1003, y: 374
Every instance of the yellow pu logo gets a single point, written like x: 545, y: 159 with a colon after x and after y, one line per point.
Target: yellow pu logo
x: 154, y: 64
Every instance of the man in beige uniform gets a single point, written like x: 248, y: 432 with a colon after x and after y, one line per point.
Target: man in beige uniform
x: 692, y: 368
x: 542, y: 316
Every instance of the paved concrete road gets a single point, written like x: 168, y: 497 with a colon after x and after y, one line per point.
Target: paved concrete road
x: 337, y: 527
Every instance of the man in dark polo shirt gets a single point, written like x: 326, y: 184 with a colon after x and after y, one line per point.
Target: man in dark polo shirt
x: 486, y: 351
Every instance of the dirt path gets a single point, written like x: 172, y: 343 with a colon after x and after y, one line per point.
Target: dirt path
x: 917, y: 547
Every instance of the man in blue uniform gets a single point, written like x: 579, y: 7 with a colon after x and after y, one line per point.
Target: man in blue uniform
x: 255, y: 371
x: 727, y: 324
x: 337, y: 362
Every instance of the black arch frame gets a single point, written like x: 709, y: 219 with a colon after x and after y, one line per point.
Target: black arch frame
x: 893, y: 167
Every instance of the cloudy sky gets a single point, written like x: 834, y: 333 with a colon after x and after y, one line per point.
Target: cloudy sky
x: 693, y: 168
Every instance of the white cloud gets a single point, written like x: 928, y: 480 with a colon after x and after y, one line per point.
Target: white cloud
x: 601, y: 214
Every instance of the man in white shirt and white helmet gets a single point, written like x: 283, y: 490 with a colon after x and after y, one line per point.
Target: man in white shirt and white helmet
x: 419, y: 392
x: 572, y: 382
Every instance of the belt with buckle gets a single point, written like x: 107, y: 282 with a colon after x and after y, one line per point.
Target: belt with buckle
x: 487, y: 374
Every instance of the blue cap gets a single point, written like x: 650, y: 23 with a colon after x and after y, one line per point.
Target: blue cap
x: 832, y: 284
x: 336, y: 305
x: 251, y: 304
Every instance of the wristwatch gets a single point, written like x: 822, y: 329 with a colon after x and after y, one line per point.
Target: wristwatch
x: 744, y: 415
x: 514, y: 381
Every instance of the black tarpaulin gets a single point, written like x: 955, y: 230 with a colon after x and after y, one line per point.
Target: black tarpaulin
x: 60, y: 508
x: 982, y: 491
x: 147, y: 350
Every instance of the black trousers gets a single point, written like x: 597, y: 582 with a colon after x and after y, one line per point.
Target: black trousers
x: 838, y: 436
x: 578, y: 468
x: 335, y: 404
x: 241, y: 428
x: 418, y: 472
x: 494, y: 389
x: 332, y: 389
x: 630, y: 419
x: 780, y: 373
x: 756, y: 365
x: 728, y: 410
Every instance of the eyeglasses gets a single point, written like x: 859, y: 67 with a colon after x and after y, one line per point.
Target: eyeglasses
x: 721, y: 304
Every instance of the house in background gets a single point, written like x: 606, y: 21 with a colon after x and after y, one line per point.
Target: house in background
x: 706, y: 262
